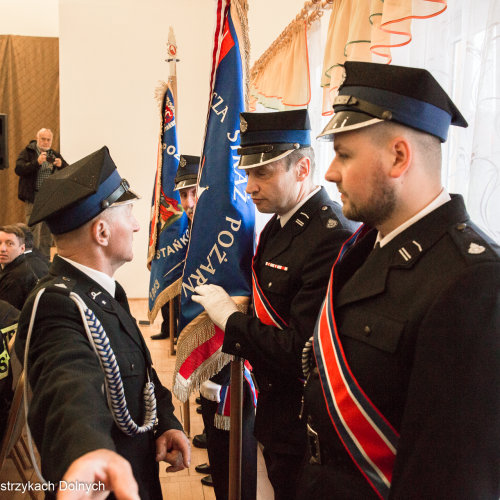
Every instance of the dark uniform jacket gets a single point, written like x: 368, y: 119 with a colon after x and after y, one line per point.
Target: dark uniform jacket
x: 8, y: 324
x: 68, y: 413
x: 27, y: 169
x: 419, y: 322
x: 308, y: 246
x: 17, y: 279
x: 38, y: 262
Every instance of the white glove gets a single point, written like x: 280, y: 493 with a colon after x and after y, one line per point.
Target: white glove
x: 218, y: 304
x: 211, y: 391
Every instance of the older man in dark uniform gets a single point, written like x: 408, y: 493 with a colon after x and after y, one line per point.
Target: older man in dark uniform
x: 402, y: 401
x: 296, y: 250
x: 83, y: 328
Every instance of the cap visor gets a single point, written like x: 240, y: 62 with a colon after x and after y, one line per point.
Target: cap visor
x: 343, y: 121
x: 256, y: 160
x: 185, y: 184
x: 127, y: 197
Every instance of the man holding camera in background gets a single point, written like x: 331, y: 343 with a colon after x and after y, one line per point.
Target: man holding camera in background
x: 35, y: 163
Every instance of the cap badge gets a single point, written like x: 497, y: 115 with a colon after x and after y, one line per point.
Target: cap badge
x: 243, y: 125
x: 182, y: 162
x: 476, y: 249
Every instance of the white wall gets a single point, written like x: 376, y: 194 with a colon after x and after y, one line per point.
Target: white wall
x: 29, y: 17
x: 111, y: 58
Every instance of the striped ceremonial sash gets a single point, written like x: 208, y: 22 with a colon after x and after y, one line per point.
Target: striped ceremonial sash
x: 368, y: 437
x: 261, y: 306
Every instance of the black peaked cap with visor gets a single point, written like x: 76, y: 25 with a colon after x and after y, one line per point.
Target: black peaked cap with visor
x: 268, y: 137
x: 372, y: 93
x: 71, y: 197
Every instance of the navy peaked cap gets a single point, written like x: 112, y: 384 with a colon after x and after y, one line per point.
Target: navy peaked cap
x: 187, y: 172
x: 76, y: 194
x: 268, y: 137
x: 371, y: 93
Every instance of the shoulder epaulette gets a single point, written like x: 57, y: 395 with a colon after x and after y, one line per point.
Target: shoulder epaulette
x: 328, y: 217
x: 474, y: 245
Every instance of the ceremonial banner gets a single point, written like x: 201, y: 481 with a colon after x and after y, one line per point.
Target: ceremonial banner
x: 221, y: 243
x: 168, y: 230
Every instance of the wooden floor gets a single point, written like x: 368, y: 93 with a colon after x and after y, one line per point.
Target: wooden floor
x: 183, y: 485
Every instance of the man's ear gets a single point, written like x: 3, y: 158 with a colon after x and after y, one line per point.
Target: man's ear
x: 401, y: 151
x: 101, y: 232
x: 303, y: 168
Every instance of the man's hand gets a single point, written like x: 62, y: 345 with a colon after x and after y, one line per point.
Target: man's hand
x: 58, y: 162
x: 218, y: 304
x: 42, y: 157
x: 102, y: 471
x: 173, y: 447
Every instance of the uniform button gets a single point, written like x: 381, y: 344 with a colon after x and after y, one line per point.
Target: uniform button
x: 270, y: 386
x: 132, y: 366
x: 324, y: 207
x: 367, y: 330
x: 270, y: 284
x: 462, y: 226
x: 237, y: 346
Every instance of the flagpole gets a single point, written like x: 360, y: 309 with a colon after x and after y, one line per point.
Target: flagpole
x: 235, y: 433
x: 172, y: 65
x: 236, y: 417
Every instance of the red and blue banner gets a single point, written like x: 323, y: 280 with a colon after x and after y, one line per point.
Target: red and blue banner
x: 168, y: 230
x: 221, y: 242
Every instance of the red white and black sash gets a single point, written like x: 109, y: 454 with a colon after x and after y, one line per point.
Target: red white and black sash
x: 368, y: 437
x: 261, y: 306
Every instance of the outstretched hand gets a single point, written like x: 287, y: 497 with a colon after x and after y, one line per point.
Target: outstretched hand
x: 99, y: 472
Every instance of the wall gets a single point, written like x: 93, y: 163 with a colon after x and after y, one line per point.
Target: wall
x: 29, y: 17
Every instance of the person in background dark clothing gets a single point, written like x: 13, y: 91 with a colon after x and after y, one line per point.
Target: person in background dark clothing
x: 35, y: 163
x: 17, y: 278
x: 36, y: 259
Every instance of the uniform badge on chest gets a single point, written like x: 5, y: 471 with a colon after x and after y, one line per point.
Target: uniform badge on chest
x: 277, y: 266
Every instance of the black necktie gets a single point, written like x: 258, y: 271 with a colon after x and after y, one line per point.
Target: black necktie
x: 121, y: 297
x: 275, y: 229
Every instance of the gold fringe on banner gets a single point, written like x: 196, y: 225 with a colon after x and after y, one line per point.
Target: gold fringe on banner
x: 199, y: 331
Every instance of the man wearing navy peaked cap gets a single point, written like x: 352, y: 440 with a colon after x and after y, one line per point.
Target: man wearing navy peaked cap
x: 84, y: 431
x: 402, y: 398
x: 290, y: 271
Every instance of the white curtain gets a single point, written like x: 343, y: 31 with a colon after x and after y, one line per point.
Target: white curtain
x: 461, y: 48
